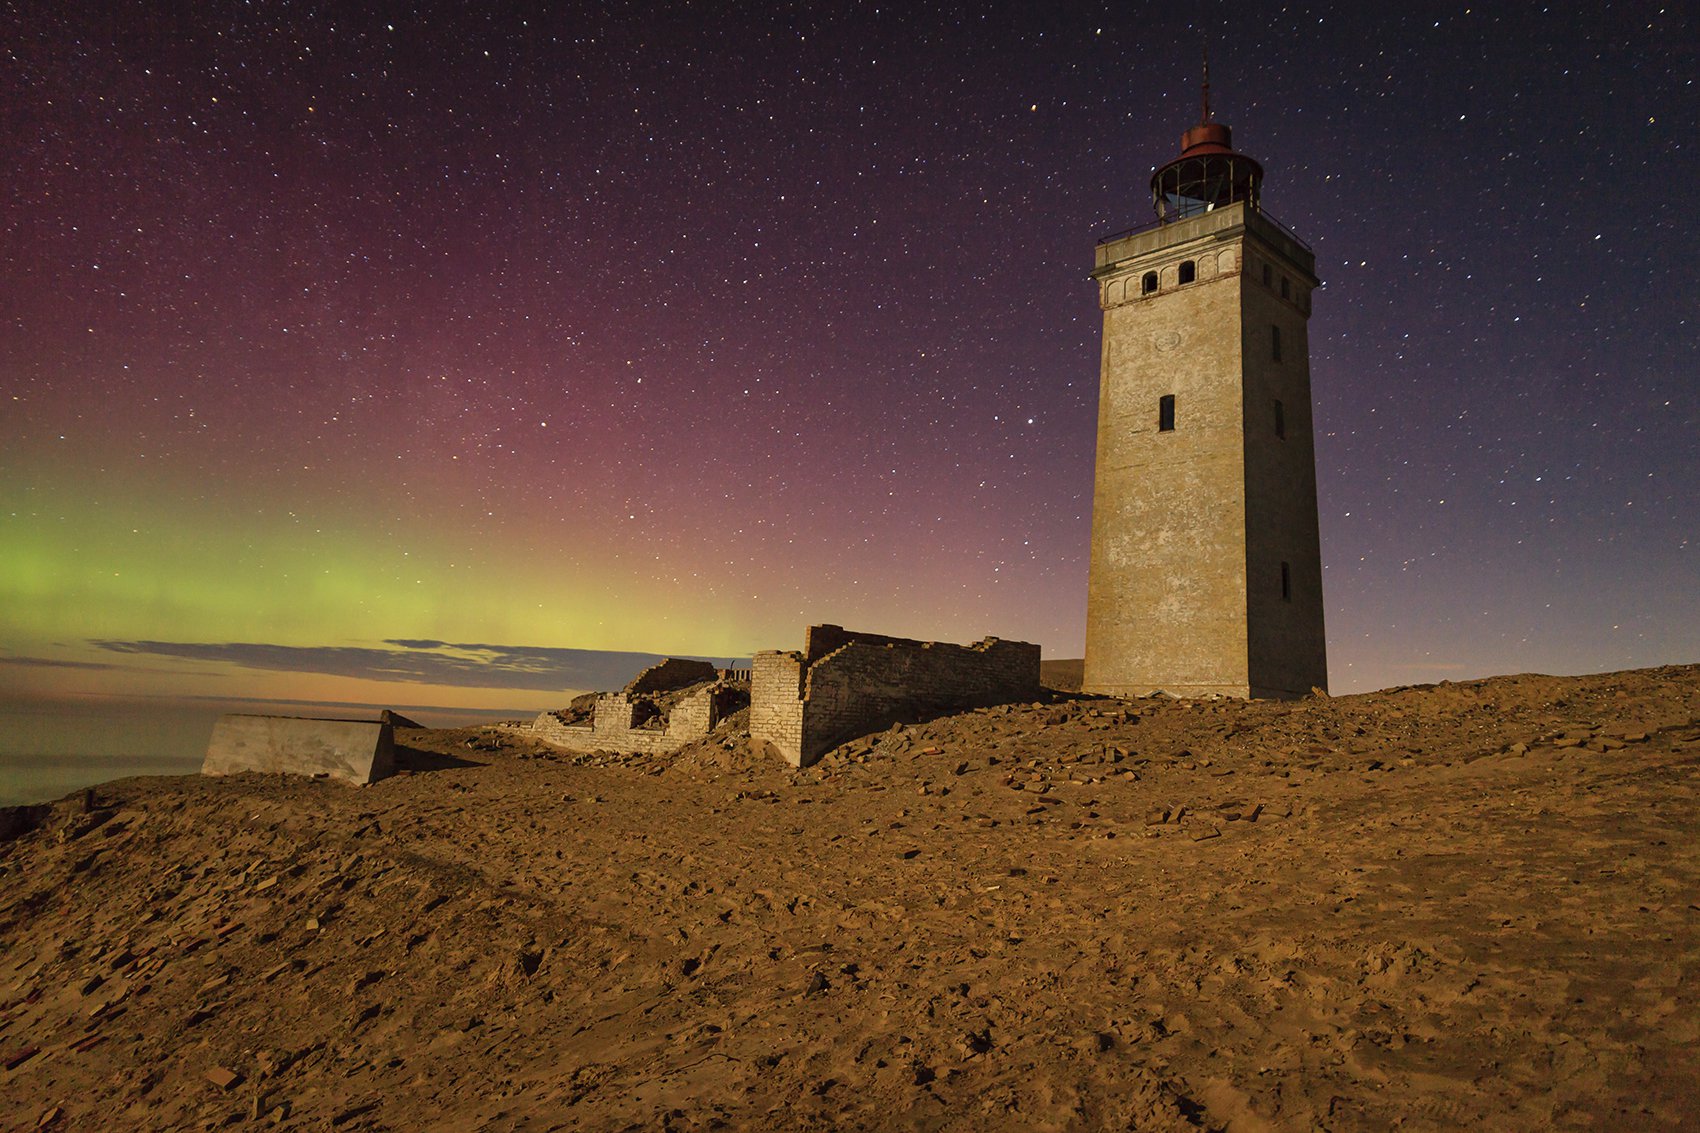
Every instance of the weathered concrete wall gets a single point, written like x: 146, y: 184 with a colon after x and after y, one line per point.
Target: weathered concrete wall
x: 1286, y: 646
x: 862, y: 683
x: 1190, y: 525
x: 356, y: 751
x: 1166, y: 591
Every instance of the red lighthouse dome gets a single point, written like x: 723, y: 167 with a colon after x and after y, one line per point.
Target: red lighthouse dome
x: 1208, y: 174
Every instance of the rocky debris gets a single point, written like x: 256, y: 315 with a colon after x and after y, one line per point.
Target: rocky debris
x: 16, y: 821
x: 223, y: 1077
x: 18, y: 1057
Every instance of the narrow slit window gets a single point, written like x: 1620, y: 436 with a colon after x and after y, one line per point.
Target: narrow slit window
x: 1286, y: 288
x: 1166, y: 413
x: 1148, y: 283
x: 1274, y: 342
x: 1189, y: 271
x: 1286, y: 583
x: 1268, y: 276
x: 1280, y: 419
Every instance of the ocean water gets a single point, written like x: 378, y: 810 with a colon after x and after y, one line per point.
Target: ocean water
x: 49, y: 748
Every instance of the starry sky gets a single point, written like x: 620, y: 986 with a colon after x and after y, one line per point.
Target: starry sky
x: 458, y: 349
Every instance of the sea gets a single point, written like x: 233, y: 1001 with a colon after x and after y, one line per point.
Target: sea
x: 51, y: 747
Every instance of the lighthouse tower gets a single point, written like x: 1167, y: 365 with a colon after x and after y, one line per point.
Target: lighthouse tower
x: 1206, y: 574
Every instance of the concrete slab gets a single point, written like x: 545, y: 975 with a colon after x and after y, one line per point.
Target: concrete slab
x: 355, y: 751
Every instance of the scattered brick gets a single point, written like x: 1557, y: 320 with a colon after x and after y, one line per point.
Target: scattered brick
x: 18, y: 1058
x: 223, y: 1078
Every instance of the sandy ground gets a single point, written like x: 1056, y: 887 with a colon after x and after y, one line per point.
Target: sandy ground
x: 1465, y: 906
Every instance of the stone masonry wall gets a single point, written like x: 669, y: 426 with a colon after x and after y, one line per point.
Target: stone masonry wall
x: 820, y: 640
x: 674, y: 672
x: 611, y: 725
x: 803, y: 709
x: 776, y: 701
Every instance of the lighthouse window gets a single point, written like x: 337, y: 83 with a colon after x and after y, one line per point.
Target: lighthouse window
x: 1148, y: 283
x: 1280, y: 419
x: 1166, y: 413
x: 1275, y: 342
x: 1189, y: 271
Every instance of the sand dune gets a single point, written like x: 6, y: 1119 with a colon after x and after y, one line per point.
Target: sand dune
x: 1461, y: 906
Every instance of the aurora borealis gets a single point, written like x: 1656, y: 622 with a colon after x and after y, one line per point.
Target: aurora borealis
x: 673, y: 329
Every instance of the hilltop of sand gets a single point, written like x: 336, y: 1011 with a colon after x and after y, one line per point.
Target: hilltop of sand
x: 1465, y: 906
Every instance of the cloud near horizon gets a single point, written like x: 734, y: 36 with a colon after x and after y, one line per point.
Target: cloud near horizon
x: 54, y: 663
x: 418, y: 661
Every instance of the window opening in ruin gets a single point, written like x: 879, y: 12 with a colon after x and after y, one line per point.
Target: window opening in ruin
x: 1148, y: 284
x: 1166, y: 413
x: 1286, y: 583
x: 1189, y: 271
x: 1280, y: 419
x: 1274, y: 342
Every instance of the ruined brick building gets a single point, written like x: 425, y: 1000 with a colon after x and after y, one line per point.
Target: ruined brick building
x: 846, y: 684
x: 660, y: 710
x: 843, y: 684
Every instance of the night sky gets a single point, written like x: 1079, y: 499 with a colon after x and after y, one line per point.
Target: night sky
x: 343, y: 350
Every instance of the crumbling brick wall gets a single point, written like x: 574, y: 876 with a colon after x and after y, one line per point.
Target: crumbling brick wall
x: 615, y: 725
x: 776, y: 702
x: 674, y: 672
x: 846, y: 684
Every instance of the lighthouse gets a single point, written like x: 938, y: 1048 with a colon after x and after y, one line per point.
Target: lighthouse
x: 1206, y: 569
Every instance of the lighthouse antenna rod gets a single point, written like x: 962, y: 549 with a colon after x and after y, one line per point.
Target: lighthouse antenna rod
x: 1204, y: 117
